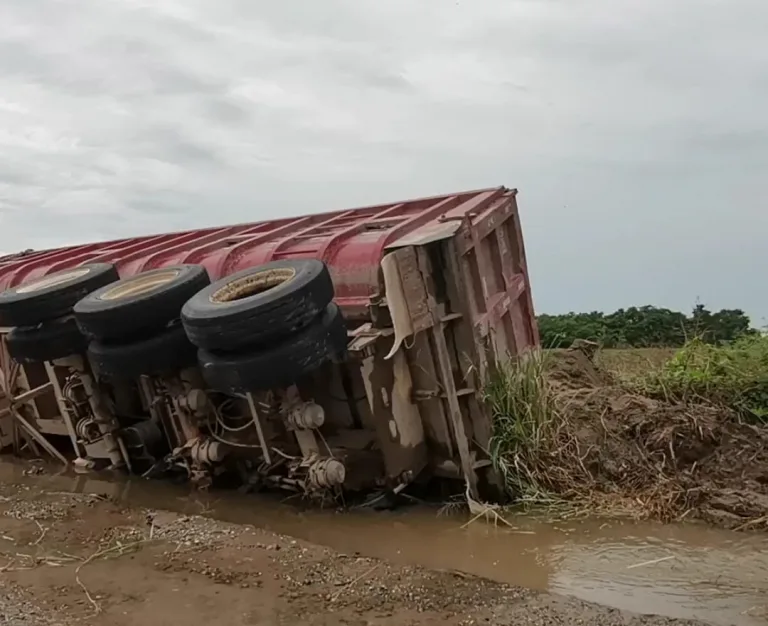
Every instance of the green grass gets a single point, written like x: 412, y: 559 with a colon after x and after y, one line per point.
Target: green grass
x: 734, y: 375
x: 524, y: 418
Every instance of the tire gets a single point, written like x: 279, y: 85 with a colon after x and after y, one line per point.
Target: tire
x: 279, y: 365
x: 164, y: 353
x: 46, y: 342
x: 52, y: 296
x: 144, y: 303
x: 216, y: 319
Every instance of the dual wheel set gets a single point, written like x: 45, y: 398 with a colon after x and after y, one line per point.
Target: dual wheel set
x: 262, y: 328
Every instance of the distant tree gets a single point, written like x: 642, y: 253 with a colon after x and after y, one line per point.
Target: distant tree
x: 724, y: 325
x: 642, y: 327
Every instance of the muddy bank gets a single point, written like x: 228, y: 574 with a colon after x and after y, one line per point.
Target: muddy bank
x: 653, y: 459
x: 69, y: 558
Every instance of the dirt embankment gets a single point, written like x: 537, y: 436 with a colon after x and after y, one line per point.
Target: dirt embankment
x: 658, y: 459
x: 69, y: 558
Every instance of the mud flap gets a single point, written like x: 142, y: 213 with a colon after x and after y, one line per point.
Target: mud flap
x: 396, y: 303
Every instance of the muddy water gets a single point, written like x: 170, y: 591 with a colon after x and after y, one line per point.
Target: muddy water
x: 686, y: 571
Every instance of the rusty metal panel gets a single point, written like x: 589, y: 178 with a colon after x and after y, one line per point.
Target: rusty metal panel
x: 477, y: 287
x: 494, y: 271
x: 414, y: 289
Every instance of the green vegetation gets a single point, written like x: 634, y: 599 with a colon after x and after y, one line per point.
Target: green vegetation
x: 641, y: 432
x: 525, y: 418
x: 734, y: 375
x: 643, y: 327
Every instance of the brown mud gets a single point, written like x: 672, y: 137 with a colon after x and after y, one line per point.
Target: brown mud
x: 654, y: 459
x: 685, y: 571
x: 73, y: 558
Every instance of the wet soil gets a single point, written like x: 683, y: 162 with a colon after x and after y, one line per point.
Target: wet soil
x: 654, y: 459
x: 686, y: 570
x: 75, y: 558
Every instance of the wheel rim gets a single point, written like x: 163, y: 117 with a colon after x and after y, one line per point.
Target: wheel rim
x: 138, y: 285
x: 253, y: 284
x: 52, y: 281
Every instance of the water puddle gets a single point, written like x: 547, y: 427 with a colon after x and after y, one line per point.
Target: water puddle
x: 685, y: 571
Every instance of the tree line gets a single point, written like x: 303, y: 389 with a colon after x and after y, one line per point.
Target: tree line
x: 643, y: 327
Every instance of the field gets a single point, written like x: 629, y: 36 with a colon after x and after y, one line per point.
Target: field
x: 651, y: 433
x: 628, y: 362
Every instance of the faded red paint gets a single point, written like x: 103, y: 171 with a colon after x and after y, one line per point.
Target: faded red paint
x: 350, y: 242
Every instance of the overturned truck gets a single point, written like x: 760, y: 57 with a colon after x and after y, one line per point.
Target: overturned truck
x: 337, y: 352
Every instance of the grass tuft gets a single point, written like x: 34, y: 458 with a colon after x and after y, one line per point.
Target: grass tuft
x: 524, y: 416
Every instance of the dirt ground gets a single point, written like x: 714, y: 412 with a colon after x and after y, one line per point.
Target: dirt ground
x: 73, y: 558
x: 653, y: 458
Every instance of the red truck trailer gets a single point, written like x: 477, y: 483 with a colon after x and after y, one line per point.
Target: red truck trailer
x: 335, y: 351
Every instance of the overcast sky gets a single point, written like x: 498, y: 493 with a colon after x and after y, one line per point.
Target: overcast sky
x: 635, y: 130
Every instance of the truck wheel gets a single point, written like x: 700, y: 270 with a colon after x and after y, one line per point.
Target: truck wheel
x: 258, y: 306
x: 144, y: 303
x: 49, y: 297
x: 278, y: 365
x: 164, y: 353
x: 46, y: 342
